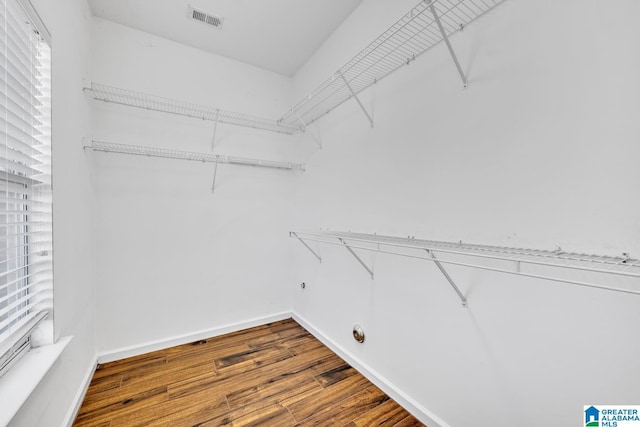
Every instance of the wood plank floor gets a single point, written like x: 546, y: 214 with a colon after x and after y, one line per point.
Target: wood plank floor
x: 272, y: 375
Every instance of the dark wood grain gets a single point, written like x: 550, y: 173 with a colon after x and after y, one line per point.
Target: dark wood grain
x: 275, y: 375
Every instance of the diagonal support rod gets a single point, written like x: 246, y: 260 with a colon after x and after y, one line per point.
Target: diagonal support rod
x: 364, y: 110
x: 215, y: 129
x: 215, y: 173
x: 306, y: 129
x: 449, y: 279
x: 446, y: 41
x: 293, y: 234
x: 357, y: 257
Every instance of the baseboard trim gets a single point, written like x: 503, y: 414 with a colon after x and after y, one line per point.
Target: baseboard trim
x: 123, y: 353
x: 82, y: 391
x: 416, y: 409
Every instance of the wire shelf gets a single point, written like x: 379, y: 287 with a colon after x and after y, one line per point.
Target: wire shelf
x: 109, y: 147
x: 411, y: 36
x: 620, y: 265
x: 155, y: 103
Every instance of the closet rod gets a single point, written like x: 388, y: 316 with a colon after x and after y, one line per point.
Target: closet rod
x: 110, y: 147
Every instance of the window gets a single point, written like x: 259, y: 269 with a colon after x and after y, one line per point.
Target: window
x: 26, y: 293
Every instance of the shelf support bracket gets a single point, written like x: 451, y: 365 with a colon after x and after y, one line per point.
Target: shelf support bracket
x: 463, y: 299
x: 293, y: 234
x: 215, y: 173
x: 307, y: 130
x: 448, y: 43
x: 215, y: 129
x: 364, y: 110
x: 357, y: 257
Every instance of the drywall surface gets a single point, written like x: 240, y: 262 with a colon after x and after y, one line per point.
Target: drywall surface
x: 539, y: 151
x: 173, y: 257
x: 73, y: 265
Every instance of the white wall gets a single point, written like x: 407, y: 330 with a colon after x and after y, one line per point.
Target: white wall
x: 74, y: 270
x: 540, y: 151
x: 174, y: 259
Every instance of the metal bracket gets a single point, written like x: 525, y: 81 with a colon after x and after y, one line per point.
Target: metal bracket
x: 449, y: 279
x: 446, y: 41
x: 306, y: 245
x: 307, y: 130
x: 215, y: 173
x: 364, y: 110
x: 370, y: 271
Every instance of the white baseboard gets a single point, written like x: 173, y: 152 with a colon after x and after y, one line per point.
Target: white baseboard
x: 123, y: 353
x: 79, y: 397
x: 415, y: 408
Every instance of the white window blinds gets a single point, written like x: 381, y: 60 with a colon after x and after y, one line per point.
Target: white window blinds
x: 26, y: 292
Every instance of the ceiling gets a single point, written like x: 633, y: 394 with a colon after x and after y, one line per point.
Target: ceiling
x: 277, y: 35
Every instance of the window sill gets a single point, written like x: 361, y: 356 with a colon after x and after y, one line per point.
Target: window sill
x: 17, y: 385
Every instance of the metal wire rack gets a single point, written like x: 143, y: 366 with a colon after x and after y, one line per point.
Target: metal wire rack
x: 130, y: 98
x: 109, y: 147
x: 422, y: 28
x: 471, y: 255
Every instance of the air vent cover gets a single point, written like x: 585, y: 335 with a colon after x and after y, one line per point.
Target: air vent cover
x: 205, y: 17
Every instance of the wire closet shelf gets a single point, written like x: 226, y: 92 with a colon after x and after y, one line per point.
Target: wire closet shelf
x: 110, y: 147
x: 131, y: 98
x: 411, y: 36
x: 471, y: 255
x: 419, y: 30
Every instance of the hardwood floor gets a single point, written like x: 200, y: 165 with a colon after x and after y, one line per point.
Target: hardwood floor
x: 272, y: 375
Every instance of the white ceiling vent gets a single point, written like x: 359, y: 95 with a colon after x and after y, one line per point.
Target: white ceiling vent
x: 205, y: 17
